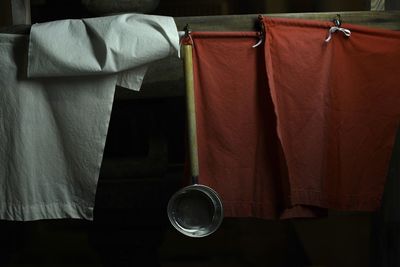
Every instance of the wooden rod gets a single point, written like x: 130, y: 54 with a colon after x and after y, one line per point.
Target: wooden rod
x: 191, y: 111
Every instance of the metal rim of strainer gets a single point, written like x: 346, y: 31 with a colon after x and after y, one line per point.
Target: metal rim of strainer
x: 210, y: 196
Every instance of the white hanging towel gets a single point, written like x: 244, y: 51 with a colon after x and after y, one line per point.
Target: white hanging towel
x: 55, y: 107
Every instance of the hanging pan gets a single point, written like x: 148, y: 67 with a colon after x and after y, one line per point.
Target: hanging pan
x: 195, y: 210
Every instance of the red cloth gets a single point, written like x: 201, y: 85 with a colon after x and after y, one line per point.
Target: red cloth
x: 296, y: 125
x: 237, y: 142
x: 338, y: 108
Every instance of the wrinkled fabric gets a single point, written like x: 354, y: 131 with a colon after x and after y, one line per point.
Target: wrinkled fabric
x: 123, y: 44
x: 298, y: 125
x: 238, y: 152
x: 338, y: 107
x: 53, y: 127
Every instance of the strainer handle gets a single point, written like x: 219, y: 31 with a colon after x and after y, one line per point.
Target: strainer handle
x: 191, y: 111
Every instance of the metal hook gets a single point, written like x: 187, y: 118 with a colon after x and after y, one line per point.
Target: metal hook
x: 258, y: 43
x: 187, y: 30
x: 261, y: 32
x: 337, y: 21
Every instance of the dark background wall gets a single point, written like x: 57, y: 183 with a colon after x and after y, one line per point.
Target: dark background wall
x: 49, y: 10
x: 131, y: 226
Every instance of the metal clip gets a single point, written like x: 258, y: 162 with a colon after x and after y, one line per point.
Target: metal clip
x: 185, y: 36
x: 260, y: 31
x: 187, y: 30
x: 337, y: 21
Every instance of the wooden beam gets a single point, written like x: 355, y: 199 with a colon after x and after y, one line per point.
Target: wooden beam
x: 387, y: 20
x: 165, y: 78
x: 377, y: 5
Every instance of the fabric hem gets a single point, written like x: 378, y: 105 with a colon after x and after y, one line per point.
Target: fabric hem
x: 46, y: 211
x: 364, y: 202
x: 235, y: 209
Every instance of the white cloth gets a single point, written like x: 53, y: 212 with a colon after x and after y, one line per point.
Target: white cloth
x: 53, y: 126
x: 124, y: 43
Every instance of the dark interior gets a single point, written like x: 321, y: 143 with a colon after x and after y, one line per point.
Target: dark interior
x: 147, y: 137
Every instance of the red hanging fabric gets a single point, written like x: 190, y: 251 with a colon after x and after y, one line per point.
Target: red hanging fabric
x: 338, y: 107
x: 299, y: 125
x: 235, y: 123
x: 236, y: 126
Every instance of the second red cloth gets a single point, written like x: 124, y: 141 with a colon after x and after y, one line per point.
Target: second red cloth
x: 298, y: 125
x: 338, y: 109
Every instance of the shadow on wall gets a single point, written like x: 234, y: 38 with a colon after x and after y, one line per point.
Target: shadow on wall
x: 51, y: 10
x: 340, y: 240
x: 225, y: 7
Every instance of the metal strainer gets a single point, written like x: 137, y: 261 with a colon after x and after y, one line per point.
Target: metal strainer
x: 195, y: 210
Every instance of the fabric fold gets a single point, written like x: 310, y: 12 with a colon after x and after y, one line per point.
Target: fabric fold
x: 238, y: 152
x: 54, y: 123
x: 338, y: 108
x: 300, y: 125
x: 123, y: 44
